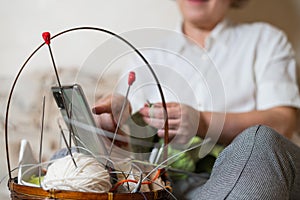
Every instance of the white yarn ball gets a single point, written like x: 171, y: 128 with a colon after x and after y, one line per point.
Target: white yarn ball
x: 89, y: 176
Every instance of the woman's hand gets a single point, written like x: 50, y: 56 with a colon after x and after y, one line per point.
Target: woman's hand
x: 107, y: 112
x: 183, y: 120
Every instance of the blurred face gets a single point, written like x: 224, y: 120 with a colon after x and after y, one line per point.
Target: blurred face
x: 203, y: 13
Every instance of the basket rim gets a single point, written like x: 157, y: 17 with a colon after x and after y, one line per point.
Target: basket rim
x: 37, y: 192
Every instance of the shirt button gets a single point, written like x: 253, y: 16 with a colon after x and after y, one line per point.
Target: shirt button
x: 204, y: 57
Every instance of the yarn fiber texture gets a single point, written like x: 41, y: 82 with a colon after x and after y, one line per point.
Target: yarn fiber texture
x: 89, y: 176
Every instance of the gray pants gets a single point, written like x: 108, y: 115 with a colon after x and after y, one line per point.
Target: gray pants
x: 258, y: 164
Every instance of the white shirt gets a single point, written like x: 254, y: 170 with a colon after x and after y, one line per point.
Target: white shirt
x: 243, y: 67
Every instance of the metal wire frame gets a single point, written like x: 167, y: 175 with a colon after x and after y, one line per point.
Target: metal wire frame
x: 166, y: 126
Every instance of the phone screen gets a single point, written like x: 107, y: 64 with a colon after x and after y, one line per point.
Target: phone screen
x: 79, y: 119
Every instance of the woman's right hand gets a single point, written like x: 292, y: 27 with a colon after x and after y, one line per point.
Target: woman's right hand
x: 108, y: 110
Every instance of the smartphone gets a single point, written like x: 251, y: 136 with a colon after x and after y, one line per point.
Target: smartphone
x: 78, y: 117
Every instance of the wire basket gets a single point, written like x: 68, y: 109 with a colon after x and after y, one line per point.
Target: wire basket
x: 19, y: 191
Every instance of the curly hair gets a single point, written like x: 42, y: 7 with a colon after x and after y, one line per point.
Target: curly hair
x: 238, y: 3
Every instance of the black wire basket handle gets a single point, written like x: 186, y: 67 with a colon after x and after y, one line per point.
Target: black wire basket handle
x: 47, y: 39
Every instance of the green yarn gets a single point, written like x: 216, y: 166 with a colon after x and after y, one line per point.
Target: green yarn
x: 185, y: 161
x: 35, y: 180
x: 190, y: 162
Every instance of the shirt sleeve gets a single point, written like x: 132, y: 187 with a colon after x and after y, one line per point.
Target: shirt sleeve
x: 275, y: 70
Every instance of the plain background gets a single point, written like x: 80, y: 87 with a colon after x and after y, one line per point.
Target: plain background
x: 22, y: 23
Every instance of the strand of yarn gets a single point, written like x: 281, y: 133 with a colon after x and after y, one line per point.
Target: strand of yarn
x: 89, y: 176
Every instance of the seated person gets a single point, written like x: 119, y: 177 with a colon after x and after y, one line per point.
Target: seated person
x: 256, y: 67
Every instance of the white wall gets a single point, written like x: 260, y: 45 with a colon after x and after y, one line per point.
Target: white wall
x: 22, y: 23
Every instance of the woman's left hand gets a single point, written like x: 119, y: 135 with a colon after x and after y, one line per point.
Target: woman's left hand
x: 183, y: 120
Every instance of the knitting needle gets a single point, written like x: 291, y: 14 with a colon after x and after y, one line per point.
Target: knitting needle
x: 109, y: 165
x: 41, y: 141
x: 47, y: 37
x: 66, y: 143
x: 131, y: 79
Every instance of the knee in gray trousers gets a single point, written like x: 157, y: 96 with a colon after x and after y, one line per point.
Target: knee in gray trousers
x: 258, y: 164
